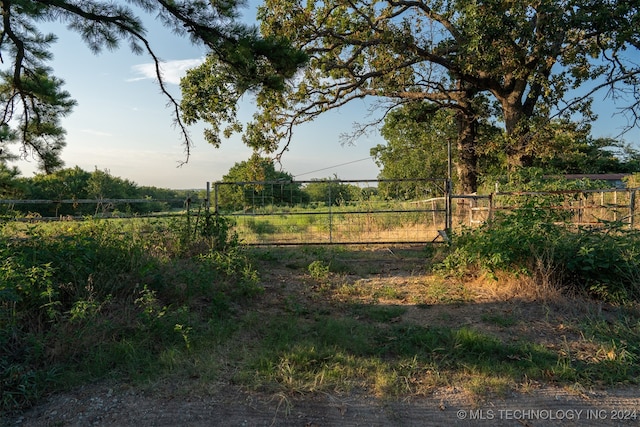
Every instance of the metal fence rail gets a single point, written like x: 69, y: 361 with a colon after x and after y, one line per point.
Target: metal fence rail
x: 334, y: 211
x: 78, y: 209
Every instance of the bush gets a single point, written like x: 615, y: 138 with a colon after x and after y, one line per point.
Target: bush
x: 603, y: 262
x: 101, y: 298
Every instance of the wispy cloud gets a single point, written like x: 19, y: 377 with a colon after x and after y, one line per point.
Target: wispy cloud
x: 172, y: 71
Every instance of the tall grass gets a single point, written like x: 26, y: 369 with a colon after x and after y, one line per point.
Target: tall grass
x: 87, y: 300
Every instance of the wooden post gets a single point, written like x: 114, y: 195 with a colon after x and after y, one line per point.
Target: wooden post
x: 208, y: 201
x: 581, y: 205
x: 632, y: 208
x: 490, y: 214
x: 434, y: 206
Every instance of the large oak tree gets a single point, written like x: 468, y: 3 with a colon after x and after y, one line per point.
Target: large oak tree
x: 523, y: 57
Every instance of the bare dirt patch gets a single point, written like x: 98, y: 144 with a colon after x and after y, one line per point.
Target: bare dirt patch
x: 505, y: 309
x: 114, y: 405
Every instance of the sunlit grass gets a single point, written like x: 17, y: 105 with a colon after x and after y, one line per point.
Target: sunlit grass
x: 337, y: 355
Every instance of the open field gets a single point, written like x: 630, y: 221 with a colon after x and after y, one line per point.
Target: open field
x: 372, y: 336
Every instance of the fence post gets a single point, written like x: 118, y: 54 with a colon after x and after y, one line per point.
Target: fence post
x: 490, y: 214
x: 632, y: 208
x: 215, y: 197
x: 208, y: 201
x: 581, y: 208
x: 448, y: 206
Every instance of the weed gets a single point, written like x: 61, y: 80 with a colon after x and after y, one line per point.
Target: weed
x: 389, y: 293
x: 88, y: 300
x: 602, y: 262
x: 319, y: 270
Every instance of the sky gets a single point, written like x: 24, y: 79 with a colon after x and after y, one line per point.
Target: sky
x: 122, y: 122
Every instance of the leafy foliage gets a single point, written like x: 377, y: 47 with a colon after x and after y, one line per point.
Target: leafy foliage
x: 94, y: 299
x: 73, y: 184
x: 333, y: 193
x: 419, y: 135
x: 537, y: 179
x: 570, y: 152
x: 601, y: 262
x: 496, y: 61
x: 415, y: 148
x: 33, y: 100
x: 279, y: 188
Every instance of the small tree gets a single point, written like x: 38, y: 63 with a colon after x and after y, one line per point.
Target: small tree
x: 331, y: 192
x: 255, y: 182
x: 69, y: 184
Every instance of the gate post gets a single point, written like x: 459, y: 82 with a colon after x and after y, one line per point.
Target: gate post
x: 448, y: 205
x: 632, y: 208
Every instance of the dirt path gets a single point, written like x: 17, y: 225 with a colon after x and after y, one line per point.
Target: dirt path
x: 102, y: 405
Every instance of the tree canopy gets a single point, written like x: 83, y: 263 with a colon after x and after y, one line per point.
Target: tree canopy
x: 247, y: 187
x: 33, y: 100
x: 515, y: 63
x: 416, y: 148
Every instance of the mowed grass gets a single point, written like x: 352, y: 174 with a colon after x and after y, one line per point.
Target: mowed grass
x: 166, y: 306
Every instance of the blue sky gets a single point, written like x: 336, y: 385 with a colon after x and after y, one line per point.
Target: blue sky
x: 122, y: 122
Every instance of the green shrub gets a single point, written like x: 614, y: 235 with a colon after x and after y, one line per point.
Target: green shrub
x: 603, y: 262
x: 508, y: 241
x: 319, y: 270
x: 97, y: 298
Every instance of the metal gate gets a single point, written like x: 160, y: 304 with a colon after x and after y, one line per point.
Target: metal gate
x: 400, y: 211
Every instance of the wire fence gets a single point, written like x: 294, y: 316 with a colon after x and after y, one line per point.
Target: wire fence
x: 79, y: 209
x: 342, y: 211
x: 334, y: 211
x: 584, y: 208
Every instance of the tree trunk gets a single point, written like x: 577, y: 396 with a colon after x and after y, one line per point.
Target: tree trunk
x: 517, y: 150
x: 467, y: 164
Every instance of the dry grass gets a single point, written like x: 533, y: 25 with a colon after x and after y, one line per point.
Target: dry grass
x: 390, y: 288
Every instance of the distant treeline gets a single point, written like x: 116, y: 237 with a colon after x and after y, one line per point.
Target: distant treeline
x: 70, y: 188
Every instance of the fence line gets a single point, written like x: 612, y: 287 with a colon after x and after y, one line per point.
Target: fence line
x: 376, y: 212
x: 391, y: 211
x: 588, y: 207
x: 104, y: 208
